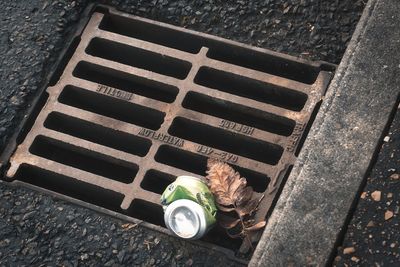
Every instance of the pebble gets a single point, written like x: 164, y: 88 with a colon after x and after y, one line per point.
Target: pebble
x: 395, y: 176
x: 349, y: 250
x: 388, y: 215
x: 376, y: 195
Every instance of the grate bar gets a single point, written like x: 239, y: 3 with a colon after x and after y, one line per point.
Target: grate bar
x: 293, y: 115
x: 225, y: 156
x: 130, y: 69
x: 117, y: 154
x: 119, y: 94
x: 234, y: 127
x: 258, y: 75
x: 144, y: 45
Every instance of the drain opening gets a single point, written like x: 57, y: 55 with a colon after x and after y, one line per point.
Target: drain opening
x: 222, y: 51
x: 238, y: 113
x: 139, y: 58
x: 156, y: 181
x: 147, y: 211
x: 197, y: 164
x: 97, y: 134
x: 68, y: 186
x: 83, y: 159
x: 151, y: 33
x: 264, y: 62
x: 227, y: 141
x: 283, y: 179
x: 249, y: 88
x: 218, y: 236
x: 125, y: 81
x: 112, y: 107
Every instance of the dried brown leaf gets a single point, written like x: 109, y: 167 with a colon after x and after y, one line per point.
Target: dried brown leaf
x: 232, y: 194
x: 223, y: 181
x: 243, y: 195
x: 229, y: 188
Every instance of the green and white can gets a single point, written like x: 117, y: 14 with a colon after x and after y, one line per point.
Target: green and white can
x: 189, y: 207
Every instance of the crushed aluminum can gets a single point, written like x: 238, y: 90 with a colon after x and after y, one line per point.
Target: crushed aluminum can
x: 189, y: 207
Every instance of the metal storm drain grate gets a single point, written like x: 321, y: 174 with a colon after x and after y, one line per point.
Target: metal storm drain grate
x: 141, y: 102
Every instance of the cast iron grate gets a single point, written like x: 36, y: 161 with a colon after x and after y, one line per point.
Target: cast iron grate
x: 141, y: 102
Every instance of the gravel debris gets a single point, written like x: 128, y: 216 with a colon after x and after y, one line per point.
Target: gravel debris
x: 374, y: 228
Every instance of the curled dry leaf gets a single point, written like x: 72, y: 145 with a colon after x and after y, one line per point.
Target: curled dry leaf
x: 232, y: 194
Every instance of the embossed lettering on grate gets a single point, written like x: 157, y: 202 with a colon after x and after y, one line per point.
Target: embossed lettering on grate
x: 141, y: 102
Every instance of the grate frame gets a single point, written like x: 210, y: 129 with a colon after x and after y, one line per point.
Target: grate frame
x: 183, y: 78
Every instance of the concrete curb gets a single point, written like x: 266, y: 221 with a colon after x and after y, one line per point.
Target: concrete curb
x: 314, y: 205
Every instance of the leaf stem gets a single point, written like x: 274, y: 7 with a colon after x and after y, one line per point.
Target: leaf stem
x: 246, y: 236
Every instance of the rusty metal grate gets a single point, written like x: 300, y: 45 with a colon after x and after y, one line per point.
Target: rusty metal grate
x: 141, y: 102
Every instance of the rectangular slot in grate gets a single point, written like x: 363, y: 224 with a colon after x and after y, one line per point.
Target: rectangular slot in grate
x: 250, y: 88
x: 235, y: 143
x: 125, y: 82
x: 139, y: 58
x: 142, y: 102
x: 238, y: 113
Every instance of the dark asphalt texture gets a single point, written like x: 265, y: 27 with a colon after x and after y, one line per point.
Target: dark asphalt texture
x: 36, y: 229
x: 373, y: 239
